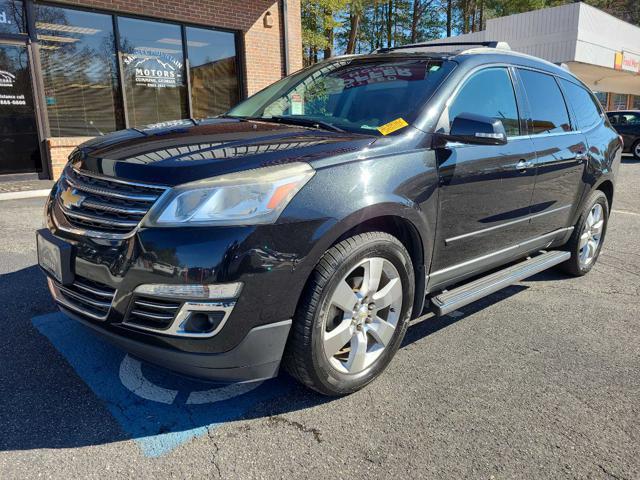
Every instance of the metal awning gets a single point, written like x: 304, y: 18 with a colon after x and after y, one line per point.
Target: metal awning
x: 602, y: 79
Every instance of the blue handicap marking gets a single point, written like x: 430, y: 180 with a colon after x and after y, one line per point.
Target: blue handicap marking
x: 158, y: 409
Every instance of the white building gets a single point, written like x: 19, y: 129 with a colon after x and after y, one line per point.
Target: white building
x: 603, y: 51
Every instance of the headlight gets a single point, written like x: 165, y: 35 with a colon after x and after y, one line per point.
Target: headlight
x: 245, y: 198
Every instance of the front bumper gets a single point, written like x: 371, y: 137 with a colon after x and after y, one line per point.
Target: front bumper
x: 257, y: 357
x: 271, y: 264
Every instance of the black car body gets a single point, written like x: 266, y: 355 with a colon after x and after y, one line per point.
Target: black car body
x: 458, y: 209
x: 627, y: 123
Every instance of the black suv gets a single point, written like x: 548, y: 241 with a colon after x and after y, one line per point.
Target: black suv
x: 313, y: 221
x: 627, y: 123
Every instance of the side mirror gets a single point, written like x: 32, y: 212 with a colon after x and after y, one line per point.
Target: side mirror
x: 477, y: 129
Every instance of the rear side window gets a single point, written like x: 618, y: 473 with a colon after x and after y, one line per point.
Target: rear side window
x: 583, y: 104
x: 548, y: 110
x: 489, y: 93
x: 625, y: 119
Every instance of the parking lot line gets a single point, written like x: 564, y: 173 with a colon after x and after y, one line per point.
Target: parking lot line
x: 626, y: 212
x: 159, y: 410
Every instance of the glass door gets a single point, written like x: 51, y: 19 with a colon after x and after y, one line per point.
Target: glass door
x: 19, y: 144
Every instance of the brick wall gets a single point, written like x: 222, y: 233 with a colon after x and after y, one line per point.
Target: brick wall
x: 59, y: 151
x: 263, y: 54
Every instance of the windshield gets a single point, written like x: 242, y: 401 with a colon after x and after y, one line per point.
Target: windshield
x: 371, y: 96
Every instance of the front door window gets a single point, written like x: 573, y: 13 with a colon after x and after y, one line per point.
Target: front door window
x: 19, y: 146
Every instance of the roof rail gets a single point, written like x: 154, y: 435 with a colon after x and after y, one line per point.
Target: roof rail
x: 491, y: 44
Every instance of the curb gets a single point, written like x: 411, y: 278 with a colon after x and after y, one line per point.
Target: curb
x: 25, y: 194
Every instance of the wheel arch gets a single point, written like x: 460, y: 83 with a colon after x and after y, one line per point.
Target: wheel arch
x: 395, y: 219
x: 606, y: 187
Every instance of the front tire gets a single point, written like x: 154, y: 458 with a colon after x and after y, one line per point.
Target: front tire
x: 636, y: 150
x: 588, y: 235
x: 353, y: 314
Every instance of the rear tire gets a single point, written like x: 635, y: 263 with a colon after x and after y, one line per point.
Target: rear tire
x: 336, y: 348
x: 588, y: 235
x: 636, y: 150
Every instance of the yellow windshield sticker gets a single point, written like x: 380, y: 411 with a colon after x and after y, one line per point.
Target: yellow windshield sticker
x: 392, y: 126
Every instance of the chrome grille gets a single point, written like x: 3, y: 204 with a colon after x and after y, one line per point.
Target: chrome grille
x: 153, y: 313
x: 105, y: 205
x: 84, y: 297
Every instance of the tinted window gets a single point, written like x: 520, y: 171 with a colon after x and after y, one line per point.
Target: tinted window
x: 153, y: 63
x: 546, y: 103
x: 78, y: 58
x: 624, y: 119
x: 489, y: 93
x: 212, y: 70
x: 584, y: 107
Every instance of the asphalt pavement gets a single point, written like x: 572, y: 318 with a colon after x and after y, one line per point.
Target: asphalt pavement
x: 541, y: 380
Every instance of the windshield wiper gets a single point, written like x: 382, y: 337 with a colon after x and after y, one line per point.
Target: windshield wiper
x: 305, y: 122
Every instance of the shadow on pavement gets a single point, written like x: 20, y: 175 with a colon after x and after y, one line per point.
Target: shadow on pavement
x: 45, y: 406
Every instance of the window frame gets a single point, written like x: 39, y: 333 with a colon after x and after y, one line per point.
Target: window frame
x: 238, y: 44
x: 444, y: 123
x: 526, y: 100
x: 596, y: 103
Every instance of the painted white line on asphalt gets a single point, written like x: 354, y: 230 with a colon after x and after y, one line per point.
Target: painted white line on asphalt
x: 25, y: 194
x: 220, y: 394
x: 132, y: 378
x: 626, y: 212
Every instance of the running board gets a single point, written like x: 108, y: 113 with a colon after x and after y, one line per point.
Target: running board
x: 451, y: 300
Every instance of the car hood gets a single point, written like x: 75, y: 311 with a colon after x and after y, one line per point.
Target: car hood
x: 173, y: 153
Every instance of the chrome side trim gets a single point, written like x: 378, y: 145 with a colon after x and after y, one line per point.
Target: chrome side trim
x: 506, y: 224
x: 500, y: 252
x: 176, y: 329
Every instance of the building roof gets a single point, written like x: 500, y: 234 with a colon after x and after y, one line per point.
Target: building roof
x: 583, y: 37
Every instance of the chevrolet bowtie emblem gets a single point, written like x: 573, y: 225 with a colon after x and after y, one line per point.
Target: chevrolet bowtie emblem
x: 70, y: 198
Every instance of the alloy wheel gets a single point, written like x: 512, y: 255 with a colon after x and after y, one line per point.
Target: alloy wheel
x: 591, y: 235
x: 364, y: 309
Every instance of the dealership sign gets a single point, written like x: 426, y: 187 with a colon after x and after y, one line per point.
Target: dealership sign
x: 7, y: 79
x: 7, y: 96
x: 628, y: 62
x: 153, y: 69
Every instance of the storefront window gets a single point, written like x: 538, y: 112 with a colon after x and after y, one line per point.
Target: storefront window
x: 153, y: 63
x: 619, y: 101
x: 11, y: 16
x: 636, y: 102
x: 77, y: 50
x: 602, y: 98
x: 212, y: 70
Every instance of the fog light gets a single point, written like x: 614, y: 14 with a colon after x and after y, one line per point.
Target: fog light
x: 203, y: 322
x: 214, y: 291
